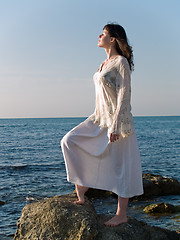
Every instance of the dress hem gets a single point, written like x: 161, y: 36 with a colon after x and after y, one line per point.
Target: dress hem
x: 105, y: 189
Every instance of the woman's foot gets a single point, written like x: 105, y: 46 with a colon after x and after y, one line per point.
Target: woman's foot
x: 120, y: 216
x: 116, y: 220
x: 80, y: 190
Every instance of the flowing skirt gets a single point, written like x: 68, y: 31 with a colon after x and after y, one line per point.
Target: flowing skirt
x: 91, y: 160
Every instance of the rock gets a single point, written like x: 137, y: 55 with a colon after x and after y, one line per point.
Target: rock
x: 133, y: 230
x: 2, y: 202
x: 57, y: 218
x: 156, y: 185
x: 161, y: 208
x: 93, y: 193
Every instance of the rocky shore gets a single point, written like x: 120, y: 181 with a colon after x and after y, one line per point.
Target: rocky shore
x: 58, y: 218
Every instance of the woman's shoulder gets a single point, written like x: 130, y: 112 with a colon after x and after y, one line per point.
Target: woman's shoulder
x: 121, y: 64
x: 121, y: 60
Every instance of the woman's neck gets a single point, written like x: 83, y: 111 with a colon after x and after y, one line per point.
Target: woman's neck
x: 111, y: 52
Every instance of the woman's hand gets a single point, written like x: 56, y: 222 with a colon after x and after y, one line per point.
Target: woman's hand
x: 113, y: 137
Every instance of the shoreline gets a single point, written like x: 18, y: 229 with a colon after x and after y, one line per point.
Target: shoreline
x: 65, y: 217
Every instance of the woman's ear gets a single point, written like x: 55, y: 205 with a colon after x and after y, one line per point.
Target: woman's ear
x: 112, y: 39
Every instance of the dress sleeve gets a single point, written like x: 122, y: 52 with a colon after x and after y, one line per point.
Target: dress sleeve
x: 122, y: 118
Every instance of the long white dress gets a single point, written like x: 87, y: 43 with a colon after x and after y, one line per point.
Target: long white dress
x: 91, y: 159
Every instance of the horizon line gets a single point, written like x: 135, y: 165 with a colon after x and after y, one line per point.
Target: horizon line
x: 3, y: 118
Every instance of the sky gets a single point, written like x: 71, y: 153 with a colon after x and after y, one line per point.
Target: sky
x: 49, y: 54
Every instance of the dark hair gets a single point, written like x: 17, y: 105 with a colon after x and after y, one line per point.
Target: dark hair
x: 122, y: 45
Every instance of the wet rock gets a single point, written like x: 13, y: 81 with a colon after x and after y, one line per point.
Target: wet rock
x: 161, y: 208
x: 57, y: 218
x: 2, y: 202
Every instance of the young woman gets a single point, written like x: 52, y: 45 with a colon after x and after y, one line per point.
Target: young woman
x: 102, y: 152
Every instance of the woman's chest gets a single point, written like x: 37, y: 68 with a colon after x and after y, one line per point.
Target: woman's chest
x: 106, y: 78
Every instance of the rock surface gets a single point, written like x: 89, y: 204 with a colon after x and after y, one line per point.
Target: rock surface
x: 133, y: 230
x: 161, y: 208
x: 58, y: 218
x: 156, y: 185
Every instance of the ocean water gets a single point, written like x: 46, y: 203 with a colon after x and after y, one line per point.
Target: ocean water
x: 32, y: 166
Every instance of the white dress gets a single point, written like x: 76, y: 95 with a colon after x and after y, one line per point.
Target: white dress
x: 91, y: 159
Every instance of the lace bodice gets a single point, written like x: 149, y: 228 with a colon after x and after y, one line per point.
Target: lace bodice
x: 113, y: 92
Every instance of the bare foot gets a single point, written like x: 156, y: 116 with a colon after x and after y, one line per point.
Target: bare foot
x: 115, y: 221
x: 79, y: 202
x: 80, y: 194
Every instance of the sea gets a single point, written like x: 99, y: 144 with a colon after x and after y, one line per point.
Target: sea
x: 32, y: 166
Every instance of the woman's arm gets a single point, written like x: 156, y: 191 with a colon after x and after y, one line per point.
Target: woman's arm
x: 123, y: 92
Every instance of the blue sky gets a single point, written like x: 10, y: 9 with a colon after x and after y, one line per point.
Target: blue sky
x: 49, y: 53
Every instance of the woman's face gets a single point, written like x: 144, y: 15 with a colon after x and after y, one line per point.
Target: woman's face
x: 104, y: 39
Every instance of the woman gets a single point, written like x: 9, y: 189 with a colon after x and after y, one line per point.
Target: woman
x: 102, y: 152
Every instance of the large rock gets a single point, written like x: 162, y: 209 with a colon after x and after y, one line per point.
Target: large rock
x: 58, y: 218
x: 156, y: 185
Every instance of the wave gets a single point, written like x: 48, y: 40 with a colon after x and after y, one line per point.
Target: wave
x: 31, y: 199
x: 34, y: 166
x: 15, y: 167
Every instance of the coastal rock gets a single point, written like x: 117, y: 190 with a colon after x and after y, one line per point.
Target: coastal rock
x: 58, y: 218
x: 156, y: 185
x: 161, y: 208
x: 133, y: 230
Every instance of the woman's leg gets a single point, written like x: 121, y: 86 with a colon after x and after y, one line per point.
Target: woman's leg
x: 120, y: 216
x: 80, y: 190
